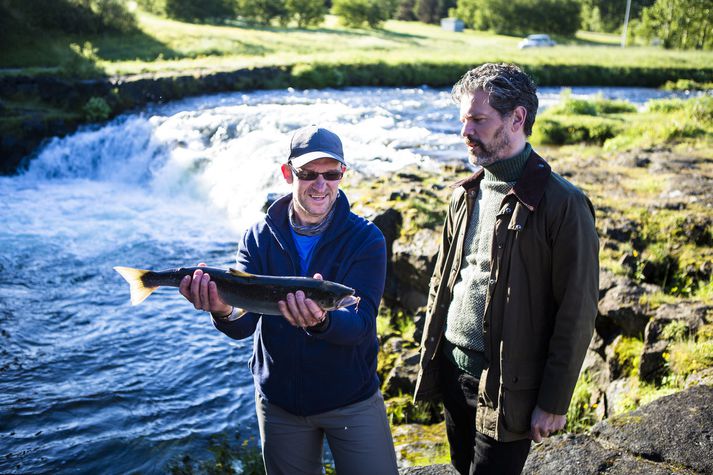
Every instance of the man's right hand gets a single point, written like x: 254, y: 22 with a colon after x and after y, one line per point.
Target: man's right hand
x: 203, y: 293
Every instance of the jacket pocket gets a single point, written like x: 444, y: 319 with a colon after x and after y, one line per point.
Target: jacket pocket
x: 521, y: 385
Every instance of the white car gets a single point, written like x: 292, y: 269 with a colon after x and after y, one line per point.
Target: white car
x: 536, y: 41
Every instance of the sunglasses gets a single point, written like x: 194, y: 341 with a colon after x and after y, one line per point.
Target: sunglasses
x: 311, y: 175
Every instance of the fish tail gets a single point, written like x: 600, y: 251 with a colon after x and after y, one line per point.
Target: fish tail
x: 139, y: 292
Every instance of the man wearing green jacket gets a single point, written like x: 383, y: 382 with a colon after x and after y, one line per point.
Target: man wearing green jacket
x: 514, y: 294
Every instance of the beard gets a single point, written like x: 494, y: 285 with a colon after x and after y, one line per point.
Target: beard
x: 491, y: 152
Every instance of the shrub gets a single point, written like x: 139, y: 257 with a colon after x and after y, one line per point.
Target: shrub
x: 565, y: 130
x: 83, y: 62
x: 306, y: 12
x: 521, y: 17
x: 75, y: 16
x: 355, y: 13
x: 96, y: 109
x: 263, y: 11
x: 189, y: 10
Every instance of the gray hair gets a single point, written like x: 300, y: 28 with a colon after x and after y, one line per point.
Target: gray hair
x: 507, y: 86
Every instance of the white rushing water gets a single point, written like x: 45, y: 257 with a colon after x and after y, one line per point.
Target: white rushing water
x: 89, y: 384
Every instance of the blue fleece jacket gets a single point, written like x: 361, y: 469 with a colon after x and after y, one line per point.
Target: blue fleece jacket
x: 304, y: 372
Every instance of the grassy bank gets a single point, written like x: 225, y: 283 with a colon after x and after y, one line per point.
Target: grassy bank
x: 168, y: 46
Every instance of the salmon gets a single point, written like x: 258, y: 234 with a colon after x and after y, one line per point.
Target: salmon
x: 247, y: 292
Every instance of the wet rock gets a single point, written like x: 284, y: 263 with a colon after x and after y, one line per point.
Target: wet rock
x: 676, y: 429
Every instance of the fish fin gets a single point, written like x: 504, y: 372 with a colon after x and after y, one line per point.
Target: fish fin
x: 239, y: 312
x: 139, y: 291
x: 239, y: 273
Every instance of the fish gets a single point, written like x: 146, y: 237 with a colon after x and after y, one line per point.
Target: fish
x: 247, y: 292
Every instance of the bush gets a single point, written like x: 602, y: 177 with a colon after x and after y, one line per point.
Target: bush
x: 96, y: 109
x: 82, y: 63
x: 521, y: 17
x: 189, y: 10
x: 355, y: 13
x: 306, y: 12
x: 263, y: 11
x: 74, y: 16
x: 565, y: 130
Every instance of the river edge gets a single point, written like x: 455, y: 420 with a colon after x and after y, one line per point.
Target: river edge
x: 37, y: 108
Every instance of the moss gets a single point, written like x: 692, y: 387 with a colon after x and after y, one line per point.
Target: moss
x: 628, y: 355
x: 690, y: 356
x: 422, y: 444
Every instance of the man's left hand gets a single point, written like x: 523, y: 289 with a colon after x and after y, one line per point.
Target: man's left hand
x: 543, y: 424
x: 301, y: 311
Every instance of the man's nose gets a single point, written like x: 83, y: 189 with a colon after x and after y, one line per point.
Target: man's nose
x: 466, y: 129
x: 319, y: 182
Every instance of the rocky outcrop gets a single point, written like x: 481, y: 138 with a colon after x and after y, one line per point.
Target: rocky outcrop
x: 673, y: 434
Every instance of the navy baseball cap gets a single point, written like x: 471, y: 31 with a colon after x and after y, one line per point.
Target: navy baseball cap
x: 312, y: 142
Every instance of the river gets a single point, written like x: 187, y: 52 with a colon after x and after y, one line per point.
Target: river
x: 90, y: 384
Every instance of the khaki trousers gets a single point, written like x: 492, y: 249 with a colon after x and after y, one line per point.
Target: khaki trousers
x: 358, y: 436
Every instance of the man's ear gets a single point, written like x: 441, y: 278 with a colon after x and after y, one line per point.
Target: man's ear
x: 286, y: 173
x: 518, y: 118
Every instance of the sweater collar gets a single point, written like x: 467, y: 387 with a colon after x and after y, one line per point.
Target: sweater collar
x: 529, y: 188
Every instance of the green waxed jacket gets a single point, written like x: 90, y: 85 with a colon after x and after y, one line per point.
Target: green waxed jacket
x: 541, y: 302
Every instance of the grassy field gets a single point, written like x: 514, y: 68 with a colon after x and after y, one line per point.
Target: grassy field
x: 167, y: 46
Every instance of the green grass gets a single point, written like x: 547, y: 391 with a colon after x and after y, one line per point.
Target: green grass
x: 164, y: 45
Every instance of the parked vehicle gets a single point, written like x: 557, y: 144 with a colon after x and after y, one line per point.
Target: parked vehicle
x: 536, y: 41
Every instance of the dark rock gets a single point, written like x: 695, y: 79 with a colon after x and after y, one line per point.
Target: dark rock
x: 671, y: 435
x: 691, y: 315
x: 402, y: 377
x: 443, y: 469
x: 397, y: 195
x: 389, y: 222
x: 652, y: 366
x: 583, y: 455
x: 269, y: 199
x: 676, y: 429
x: 413, y: 264
x: 620, y: 310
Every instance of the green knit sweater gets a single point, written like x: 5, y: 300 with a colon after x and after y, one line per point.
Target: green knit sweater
x: 464, y: 326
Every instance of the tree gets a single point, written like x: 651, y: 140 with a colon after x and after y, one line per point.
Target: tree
x: 608, y: 15
x: 307, y: 12
x: 190, y: 10
x: 354, y: 13
x: 264, y: 11
x: 404, y: 10
x: 521, y: 17
x: 431, y: 11
x: 684, y: 24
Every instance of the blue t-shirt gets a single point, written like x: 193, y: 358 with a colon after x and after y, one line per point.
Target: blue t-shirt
x: 305, y: 248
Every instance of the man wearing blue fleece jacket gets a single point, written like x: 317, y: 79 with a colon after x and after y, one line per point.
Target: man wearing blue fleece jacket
x: 314, y: 370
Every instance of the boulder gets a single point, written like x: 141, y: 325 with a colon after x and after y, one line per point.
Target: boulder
x: 413, y: 263
x: 583, y: 455
x: 690, y: 315
x: 389, y: 222
x: 620, y: 310
x: 676, y: 430
x: 402, y: 377
x: 442, y: 469
x: 670, y: 435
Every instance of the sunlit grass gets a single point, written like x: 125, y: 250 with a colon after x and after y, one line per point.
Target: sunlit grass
x: 170, y: 46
